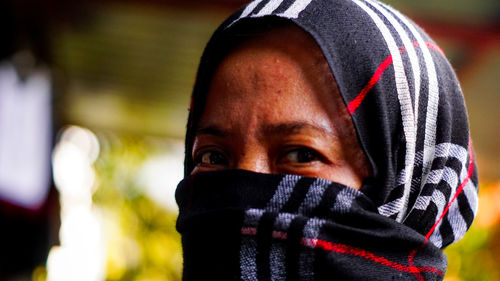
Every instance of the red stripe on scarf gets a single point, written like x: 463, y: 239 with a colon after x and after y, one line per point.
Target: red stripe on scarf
x: 459, y: 190
x: 470, y: 170
x: 356, y: 102
x: 348, y: 250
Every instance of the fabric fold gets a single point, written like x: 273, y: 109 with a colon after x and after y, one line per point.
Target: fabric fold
x: 231, y: 217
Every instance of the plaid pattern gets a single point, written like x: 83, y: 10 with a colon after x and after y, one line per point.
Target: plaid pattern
x: 268, y: 227
x: 410, y: 117
x: 283, y: 210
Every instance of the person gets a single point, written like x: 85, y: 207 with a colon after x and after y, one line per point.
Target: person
x: 327, y: 140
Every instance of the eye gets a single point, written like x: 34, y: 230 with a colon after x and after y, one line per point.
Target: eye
x: 300, y: 155
x: 211, y: 158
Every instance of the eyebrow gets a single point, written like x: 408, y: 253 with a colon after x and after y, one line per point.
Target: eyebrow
x: 294, y: 127
x: 212, y: 130
x: 286, y: 128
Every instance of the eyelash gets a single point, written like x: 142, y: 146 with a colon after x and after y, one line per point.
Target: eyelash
x: 198, y: 158
x: 310, y: 154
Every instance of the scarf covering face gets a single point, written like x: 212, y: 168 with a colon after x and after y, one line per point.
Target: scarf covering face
x: 409, y: 114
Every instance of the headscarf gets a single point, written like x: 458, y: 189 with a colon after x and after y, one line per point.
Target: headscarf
x: 410, y: 118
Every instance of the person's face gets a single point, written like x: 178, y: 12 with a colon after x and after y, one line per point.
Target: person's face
x: 274, y: 107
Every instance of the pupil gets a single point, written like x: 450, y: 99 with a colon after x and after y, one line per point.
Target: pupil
x: 216, y: 158
x: 305, y: 156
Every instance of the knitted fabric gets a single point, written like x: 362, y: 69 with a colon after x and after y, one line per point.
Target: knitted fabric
x: 240, y: 225
x: 410, y: 119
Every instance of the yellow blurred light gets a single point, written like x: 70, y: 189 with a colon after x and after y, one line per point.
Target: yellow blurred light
x: 81, y: 255
x: 123, y: 252
x: 160, y: 174
x: 39, y: 274
x: 489, y: 209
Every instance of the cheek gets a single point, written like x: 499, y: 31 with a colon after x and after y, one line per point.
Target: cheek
x: 355, y: 159
x: 345, y: 175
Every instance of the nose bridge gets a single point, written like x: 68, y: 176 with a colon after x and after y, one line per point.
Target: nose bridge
x: 251, y: 151
x: 253, y: 160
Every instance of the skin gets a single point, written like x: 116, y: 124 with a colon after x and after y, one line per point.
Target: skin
x: 274, y: 107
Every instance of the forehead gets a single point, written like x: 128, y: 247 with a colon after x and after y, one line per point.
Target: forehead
x: 280, y: 74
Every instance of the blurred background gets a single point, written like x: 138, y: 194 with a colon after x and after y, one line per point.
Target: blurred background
x: 98, y: 92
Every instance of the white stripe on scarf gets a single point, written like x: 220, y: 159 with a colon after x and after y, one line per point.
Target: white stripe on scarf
x: 405, y: 102
x: 433, y: 98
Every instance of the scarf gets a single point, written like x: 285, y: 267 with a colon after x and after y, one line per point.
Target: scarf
x: 410, y: 118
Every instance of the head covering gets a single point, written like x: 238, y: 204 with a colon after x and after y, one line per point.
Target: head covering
x: 410, y: 118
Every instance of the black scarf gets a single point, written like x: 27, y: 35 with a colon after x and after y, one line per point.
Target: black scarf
x: 243, y: 225
x: 410, y: 118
